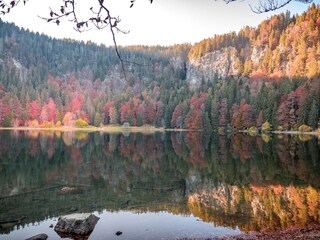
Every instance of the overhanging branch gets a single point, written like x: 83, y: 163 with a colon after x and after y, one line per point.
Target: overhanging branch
x: 269, y: 5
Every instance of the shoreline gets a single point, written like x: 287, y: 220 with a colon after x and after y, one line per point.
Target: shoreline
x: 105, y: 129
x: 309, y: 232
x: 147, y: 128
x: 88, y: 129
x: 315, y: 133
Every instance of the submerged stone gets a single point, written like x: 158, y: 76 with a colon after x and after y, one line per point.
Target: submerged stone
x: 76, y: 224
x: 41, y: 236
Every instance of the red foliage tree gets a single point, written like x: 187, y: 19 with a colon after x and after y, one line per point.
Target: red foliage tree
x: 177, y: 117
x: 259, y: 120
x: 16, y: 111
x: 150, y: 111
x: 196, y: 116
x: 235, y: 117
x: 52, y: 111
x: 242, y: 116
x: 223, y: 108
x: 287, y: 111
x: 82, y: 115
x: 141, y: 110
x: 301, y: 93
x: 127, y: 113
x: 68, y: 119
x: 158, y: 112
x: 34, y: 110
x: 44, y: 114
x: 76, y: 104
x: 4, y: 110
x: 106, y: 111
x: 154, y: 111
x: 247, y: 114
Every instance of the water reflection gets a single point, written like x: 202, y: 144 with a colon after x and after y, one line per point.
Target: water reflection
x: 253, y: 183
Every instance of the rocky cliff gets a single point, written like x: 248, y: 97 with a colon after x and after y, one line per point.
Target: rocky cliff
x: 223, y: 63
x: 213, y: 65
x: 282, y: 46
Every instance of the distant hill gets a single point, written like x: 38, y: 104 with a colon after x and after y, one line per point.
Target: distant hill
x: 268, y: 74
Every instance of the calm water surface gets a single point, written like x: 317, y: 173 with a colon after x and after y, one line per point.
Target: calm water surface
x: 157, y: 186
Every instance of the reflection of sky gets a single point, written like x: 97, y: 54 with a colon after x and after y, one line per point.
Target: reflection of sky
x: 161, y: 225
x: 164, y: 22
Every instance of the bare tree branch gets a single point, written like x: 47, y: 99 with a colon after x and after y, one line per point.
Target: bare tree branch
x: 113, y: 25
x: 269, y: 5
x: 272, y: 5
x: 6, y: 6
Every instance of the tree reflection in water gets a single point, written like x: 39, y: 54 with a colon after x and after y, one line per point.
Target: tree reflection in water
x: 255, y: 183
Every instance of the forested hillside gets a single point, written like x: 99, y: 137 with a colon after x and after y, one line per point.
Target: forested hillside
x: 267, y: 77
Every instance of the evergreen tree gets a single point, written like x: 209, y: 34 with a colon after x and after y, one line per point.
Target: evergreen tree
x: 313, y: 115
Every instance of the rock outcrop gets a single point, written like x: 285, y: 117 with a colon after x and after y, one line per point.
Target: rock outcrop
x: 76, y: 224
x: 213, y: 65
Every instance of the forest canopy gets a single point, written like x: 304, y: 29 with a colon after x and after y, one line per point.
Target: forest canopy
x: 271, y: 80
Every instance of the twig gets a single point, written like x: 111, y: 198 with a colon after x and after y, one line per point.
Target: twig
x: 269, y: 5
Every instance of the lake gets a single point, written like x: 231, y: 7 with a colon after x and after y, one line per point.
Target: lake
x: 170, y: 185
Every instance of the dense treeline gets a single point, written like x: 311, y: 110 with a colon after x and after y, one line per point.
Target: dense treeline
x: 46, y: 82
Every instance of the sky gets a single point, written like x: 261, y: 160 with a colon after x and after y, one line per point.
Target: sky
x: 164, y: 22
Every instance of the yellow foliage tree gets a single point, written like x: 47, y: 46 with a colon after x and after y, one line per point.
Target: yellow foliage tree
x: 80, y: 123
x: 266, y: 126
x: 305, y: 128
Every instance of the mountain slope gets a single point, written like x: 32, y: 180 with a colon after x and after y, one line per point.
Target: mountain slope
x: 236, y: 80
x: 281, y: 46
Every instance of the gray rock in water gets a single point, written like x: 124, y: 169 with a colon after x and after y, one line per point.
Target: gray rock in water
x: 76, y: 224
x: 41, y: 236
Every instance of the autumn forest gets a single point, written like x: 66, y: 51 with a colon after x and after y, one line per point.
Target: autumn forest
x: 259, y: 78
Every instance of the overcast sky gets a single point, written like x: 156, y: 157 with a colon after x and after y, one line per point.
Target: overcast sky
x: 164, y: 22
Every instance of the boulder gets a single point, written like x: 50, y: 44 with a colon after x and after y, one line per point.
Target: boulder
x: 41, y: 236
x: 76, y: 224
